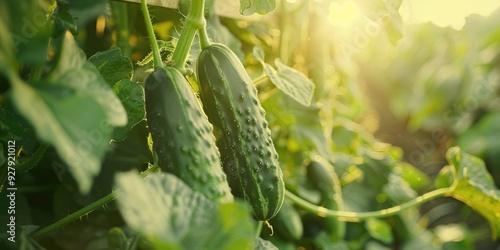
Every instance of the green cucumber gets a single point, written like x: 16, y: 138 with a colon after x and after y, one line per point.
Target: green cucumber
x: 321, y: 175
x: 288, y: 222
x: 182, y: 136
x: 242, y: 134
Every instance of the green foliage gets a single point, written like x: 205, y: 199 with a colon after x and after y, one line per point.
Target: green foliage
x: 262, y: 244
x: 472, y: 184
x: 170, y: 215
x: 80, y: 135
x: 290, y: 81
x: 248, y: 7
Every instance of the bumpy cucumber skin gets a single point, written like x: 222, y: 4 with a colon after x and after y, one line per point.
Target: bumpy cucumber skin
x: 322, y: 176
x: 242, y: 134
x: 182, y: 135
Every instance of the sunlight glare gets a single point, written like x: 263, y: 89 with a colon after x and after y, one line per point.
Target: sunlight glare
x: 345, y: 14
x: 445, y: 13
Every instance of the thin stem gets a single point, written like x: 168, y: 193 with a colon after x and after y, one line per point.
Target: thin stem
x: 357, y: 216
x: 204, y: 40
x: 120, y: 12
x: 33, y: 160
x: 35, y: 73
x: 260, y: 80
x: 85, y: 210
x: 194, y: 21
x: 152, y: 38
x: 259, y: 229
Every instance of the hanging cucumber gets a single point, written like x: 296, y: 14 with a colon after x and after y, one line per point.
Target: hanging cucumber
x: 322, y: 176
x: 247, y: 151
x: 288, y: 222
x: 182, y: 136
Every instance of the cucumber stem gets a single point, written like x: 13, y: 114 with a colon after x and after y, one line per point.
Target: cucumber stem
x: 194, y: 21
x: 358, y: 216
x: 151, y: 34
x: 85, y: 210
x: 204, y: 40
x: 259, y: 229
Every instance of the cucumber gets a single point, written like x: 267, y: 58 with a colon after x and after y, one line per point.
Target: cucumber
x: 321, y: 175
x: 288, y: 222
x: 182, y: 136
x: 242, y: 134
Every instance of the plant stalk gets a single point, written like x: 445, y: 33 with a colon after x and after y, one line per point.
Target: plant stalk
x: 151, y: 34
x: 194, y: 21
x: 120, y: 12
x: 358, y: 216
x: 85, y: 210
x: 27, y: 165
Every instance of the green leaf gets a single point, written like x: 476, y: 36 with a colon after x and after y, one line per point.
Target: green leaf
x: 482, y: 137
x: 385, y: 12
x: 379, y: 229
x: 412, y: 175
x: 258, y: 53
x: 131, y: 95
x: 112, y: 65
x: 292, y: 82
x: 473, y: 185
x: 261, y: 244
x: 58, y: 118
x: 73, y: 109
x: 74, y: 71
x: 170, y: 214
x: 64, y: 21
x: 398, y: 189
x: 28, y: 30
x: 249, y: 7
x: 295, y: 84
x: 70, y: 57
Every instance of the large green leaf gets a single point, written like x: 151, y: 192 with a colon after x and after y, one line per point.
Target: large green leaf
x: 74, y: 71
x: 112, y: 65
x: 73, y: 109
x: 170, y: 214
x: 58, y: 117
x: 472, y: 184
x: 249, y: 7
